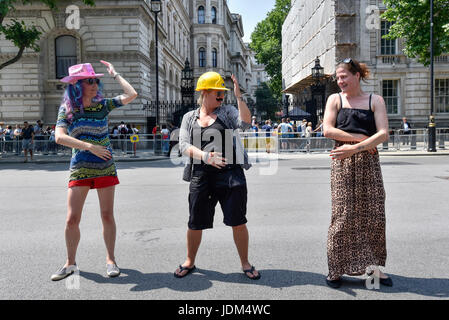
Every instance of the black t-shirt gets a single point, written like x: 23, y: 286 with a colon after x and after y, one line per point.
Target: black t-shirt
x: 28, y: 132
x: 214, y: 138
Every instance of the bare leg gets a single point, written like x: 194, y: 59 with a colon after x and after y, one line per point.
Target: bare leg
x: 75, y: 202
x: 106, y: 198
x: 193, y: 243
x: 241, y: 239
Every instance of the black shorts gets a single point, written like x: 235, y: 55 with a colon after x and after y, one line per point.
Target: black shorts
x: 207, y: 188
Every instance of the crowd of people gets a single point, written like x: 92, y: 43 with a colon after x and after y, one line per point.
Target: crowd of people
x: 120, y: 136
x: 286, y: 130
x: 28, y: 138
x: 287, y: 126
x: 39, y: 138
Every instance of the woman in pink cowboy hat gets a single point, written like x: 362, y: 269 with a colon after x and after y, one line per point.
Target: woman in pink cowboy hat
x: 82, y: 125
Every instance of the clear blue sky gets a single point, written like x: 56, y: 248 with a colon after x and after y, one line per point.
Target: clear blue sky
x: 252, y: 12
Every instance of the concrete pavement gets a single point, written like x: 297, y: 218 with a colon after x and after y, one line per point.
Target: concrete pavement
x: 288, y: 213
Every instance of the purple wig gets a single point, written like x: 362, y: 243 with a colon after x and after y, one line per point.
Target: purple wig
x: 73, y: 98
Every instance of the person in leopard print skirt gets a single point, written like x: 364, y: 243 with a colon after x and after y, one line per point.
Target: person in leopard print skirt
x: 358, y: 122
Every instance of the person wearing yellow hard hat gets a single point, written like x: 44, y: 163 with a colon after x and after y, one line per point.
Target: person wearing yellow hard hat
x: 215, y: 168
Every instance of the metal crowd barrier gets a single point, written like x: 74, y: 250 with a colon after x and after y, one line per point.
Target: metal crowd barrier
x: 43, y: 147
x: 261, y: 141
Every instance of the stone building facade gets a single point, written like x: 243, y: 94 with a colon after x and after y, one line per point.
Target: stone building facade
x: 123, y: 33
x: 336, y: 29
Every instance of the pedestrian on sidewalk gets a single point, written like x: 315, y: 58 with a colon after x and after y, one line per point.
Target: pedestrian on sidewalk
x: 9, y: 138
x: 27, y: 140
x: 39, y: 136
x: 82, y: 124
x: 212, y: 177
x: 267, y: 128
x: 17, y: 139
x: 123, y: 130
x: 406, y: 130
x: 308, y: 136
x: 2, y: 138
x: 358, y: 122
x: 165, y: 139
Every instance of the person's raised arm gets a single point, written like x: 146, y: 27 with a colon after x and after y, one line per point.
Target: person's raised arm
x: 244, y: 113
x: 129, y: 93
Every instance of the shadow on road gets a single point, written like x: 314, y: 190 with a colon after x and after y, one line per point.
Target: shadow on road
x: 202, y: 279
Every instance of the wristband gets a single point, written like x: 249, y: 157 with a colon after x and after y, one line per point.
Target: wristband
x: 117, y: 74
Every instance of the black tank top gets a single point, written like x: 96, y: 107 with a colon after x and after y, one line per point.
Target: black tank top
x: 356, y: 120
x: 208, y: 143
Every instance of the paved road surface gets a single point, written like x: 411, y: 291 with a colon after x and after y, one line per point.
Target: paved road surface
x: 288, y: 214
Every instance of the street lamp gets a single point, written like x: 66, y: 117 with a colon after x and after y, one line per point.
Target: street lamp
x: 317, y: 70
x: 432, y: 126
x: 317, y: 89
x: 286, y: 105
x: 187, y: 91
x: 156, y: 7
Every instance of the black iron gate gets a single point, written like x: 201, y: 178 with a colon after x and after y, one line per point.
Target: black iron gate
x: 169, y: 112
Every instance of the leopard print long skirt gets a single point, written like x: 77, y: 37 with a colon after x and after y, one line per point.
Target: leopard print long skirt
x: 356, y: 237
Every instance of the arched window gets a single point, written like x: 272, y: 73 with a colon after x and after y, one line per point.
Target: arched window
x: 202, y: 57
x: 65, y: 47
x: 201, y: 15
x: 214, y: 15
x: 214, y: 58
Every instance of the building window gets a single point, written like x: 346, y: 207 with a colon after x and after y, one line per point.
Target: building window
x: 65, y: 47
x: 201, y: 15
x: 202, y: 57
x: 214, y: 58
x: 387, y: 47
x: 442, y: 95
x: 214, y: 15
x: 390, y: 93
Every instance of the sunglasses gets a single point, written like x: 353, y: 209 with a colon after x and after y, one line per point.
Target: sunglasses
x: 91, y: 81
x: 351, y: 62
x: 220, y: 94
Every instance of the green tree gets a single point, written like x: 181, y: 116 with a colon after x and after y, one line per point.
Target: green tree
x: 411, y: 20
x: 265, y: 100
x: 266, y: 41
x: 22, y: 36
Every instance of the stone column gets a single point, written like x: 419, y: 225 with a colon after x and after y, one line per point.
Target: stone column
x: 220, y: 13
x: 221, y: 54
x: 209, y: 52
x: 195, y: 12
x: 208, y: 12
x: 195, y: 52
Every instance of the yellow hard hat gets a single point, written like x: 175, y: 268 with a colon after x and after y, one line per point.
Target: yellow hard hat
x: 211, y: 81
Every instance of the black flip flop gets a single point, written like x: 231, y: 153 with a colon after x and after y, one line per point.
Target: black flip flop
x: 251, y: 271
x: 181, y: 269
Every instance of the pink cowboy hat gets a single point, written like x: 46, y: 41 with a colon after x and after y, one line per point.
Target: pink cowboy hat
x: 79, y: 72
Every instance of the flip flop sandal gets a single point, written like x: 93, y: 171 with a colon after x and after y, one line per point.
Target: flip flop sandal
x: 251, y: 271
x: 181, y: 269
